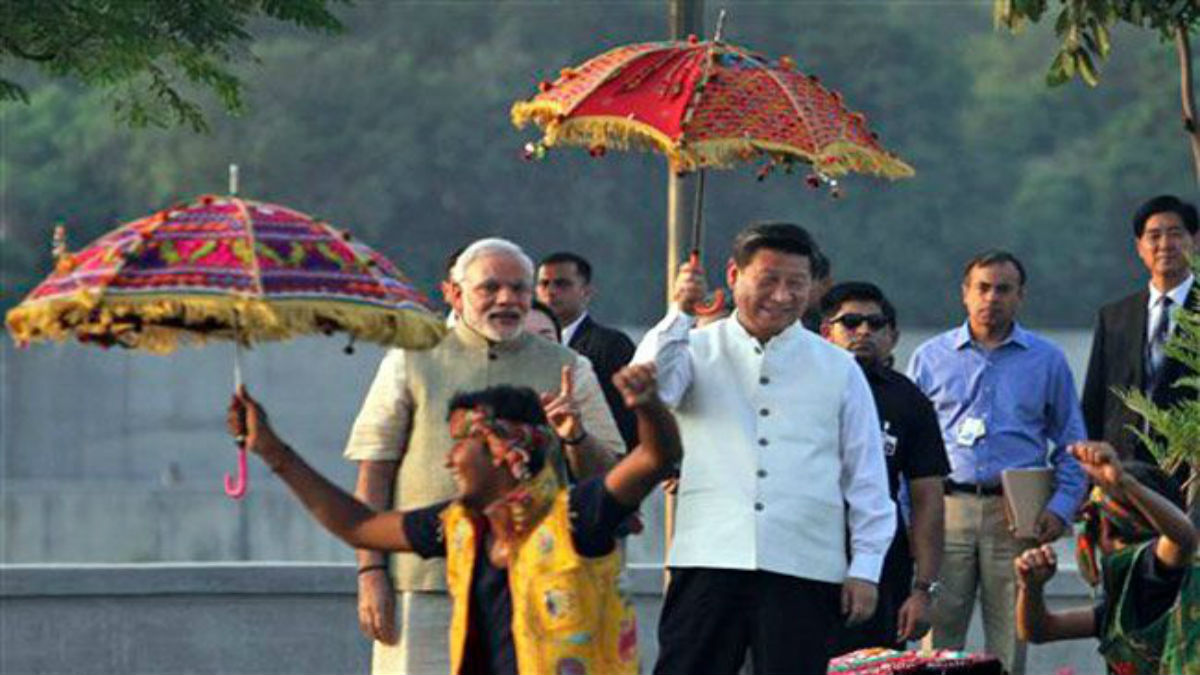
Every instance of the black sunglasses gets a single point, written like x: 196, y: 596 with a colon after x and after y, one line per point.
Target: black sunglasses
x: 853, y: 321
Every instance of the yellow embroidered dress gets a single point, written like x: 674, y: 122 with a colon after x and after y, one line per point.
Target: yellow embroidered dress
x: 568, y: 616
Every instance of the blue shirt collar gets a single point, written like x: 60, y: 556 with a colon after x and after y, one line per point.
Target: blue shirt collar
x: 1019, y: 336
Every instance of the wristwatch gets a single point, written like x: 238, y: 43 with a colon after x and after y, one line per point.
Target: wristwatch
x: 931, y: 588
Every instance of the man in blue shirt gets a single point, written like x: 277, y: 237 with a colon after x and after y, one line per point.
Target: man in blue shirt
x: 1005, y: 399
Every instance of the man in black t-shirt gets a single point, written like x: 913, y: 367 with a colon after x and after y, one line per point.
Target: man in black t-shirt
x: 500, y: 534
x: 858, y: 317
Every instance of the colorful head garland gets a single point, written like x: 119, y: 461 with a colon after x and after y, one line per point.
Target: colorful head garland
x: 513, y: 443
x: 1123, y: 522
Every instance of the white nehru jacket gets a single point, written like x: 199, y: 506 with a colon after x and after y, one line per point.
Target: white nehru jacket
x: 781, y: 449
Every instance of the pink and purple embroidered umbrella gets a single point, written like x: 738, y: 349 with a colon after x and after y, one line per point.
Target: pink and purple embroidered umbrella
x: 226, y: 268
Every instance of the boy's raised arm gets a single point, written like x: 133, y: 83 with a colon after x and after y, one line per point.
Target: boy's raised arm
x: 1036, y: 623
x: 1177, y: 537
x: 659, y: 450
x: 337, y: 511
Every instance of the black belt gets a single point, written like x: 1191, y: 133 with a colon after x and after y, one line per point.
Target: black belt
x: 954, y: 487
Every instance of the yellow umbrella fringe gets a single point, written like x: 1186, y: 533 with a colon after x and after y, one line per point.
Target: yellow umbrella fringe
x: 837, y: 159
x: 541, y: 113
x: 620, y: 133
x: 624, y: 134
x: 61, y: 318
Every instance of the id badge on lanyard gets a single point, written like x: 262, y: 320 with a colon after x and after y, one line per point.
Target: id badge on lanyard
x: 970, y: 430
x: 889, y: 440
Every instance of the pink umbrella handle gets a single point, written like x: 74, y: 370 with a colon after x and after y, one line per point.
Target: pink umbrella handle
x: 237, y: 489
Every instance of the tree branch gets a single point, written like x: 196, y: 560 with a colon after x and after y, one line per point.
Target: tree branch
x: 12, y: 46
x: 1187, y: 93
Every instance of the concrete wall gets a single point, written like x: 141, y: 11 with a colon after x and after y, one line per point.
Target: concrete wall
x: 117, y: 456
x: 179, y: 619
x: 257, y: 618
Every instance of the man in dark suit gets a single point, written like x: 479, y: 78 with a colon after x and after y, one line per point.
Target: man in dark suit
x: 1127, y: 349
x: 565, y: 284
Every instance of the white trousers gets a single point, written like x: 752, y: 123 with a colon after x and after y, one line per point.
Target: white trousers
x: 424, y: 645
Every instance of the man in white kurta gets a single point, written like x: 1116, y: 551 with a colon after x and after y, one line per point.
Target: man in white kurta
x: 782, y: 458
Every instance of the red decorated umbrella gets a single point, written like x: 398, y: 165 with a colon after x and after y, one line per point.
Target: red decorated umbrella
x: 706, y: 104
x: 225, y: 268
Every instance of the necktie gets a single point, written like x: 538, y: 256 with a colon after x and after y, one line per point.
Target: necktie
x: 1158, y: 340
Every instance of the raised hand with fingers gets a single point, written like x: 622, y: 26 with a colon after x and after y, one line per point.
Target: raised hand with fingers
x: 1100, y: 462
x: 689, y: 288
x: 1035, y: 566
x: 637, y: 384
x: 562, y: 410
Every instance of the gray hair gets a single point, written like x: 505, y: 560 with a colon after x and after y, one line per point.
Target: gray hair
x: 486, y: 247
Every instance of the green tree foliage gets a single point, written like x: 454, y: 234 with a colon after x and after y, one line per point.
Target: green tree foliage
x: 399, y: 130
x: 146, y: 53
x: 1175, y: 437
x: 1084, y: 30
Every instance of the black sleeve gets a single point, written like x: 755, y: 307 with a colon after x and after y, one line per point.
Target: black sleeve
x: 925, y: 455
x: 618, y: 353
x: 1154, y: 587
x: 624, y: 349
x: 423, y: 527
x: 595, y: 517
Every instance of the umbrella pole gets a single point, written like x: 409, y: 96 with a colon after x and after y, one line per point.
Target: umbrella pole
x: 716, y: 303
x: 683, y: 17
x: 236, y: 489
x: 237, y: 365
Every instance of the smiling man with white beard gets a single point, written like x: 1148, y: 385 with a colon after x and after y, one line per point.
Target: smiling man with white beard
x: 400, y: 439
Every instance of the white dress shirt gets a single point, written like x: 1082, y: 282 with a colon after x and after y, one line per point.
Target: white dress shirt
x: 1178, y: 297
x: 781, y: 449
x: 569, y: 330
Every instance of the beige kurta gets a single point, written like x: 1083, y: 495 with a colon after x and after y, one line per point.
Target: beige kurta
x: 404, y: 417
